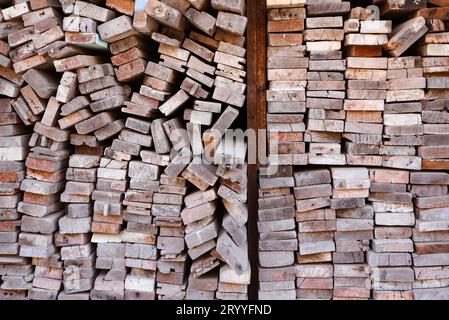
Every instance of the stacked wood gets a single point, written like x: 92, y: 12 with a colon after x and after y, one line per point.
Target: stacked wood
x: 202, y: 288
x: 92, y: 196
x: 80, y: 24
x: 131, y: 55
x: 431, y: 235
x: 287, y: 76
x: 326, y: 83
x: 365, y: 33
x: 34, y: 47
x: 435, y: 66
x: 139, y: 236
x: 394, y: 116
x: 402, y: 118
x: 129, y: 180
x: 201, y: 223
x: 15, y: 271
x: 316, y: 227
x: 213, y: 67
x: 172, y: 267
x: 89, y: 91
x: 232, y: 241
x: 45, y: 180
x: 129, y: 187
x: 74, y: 236
x: 367, y: 85
x: 365, y: 101
x: 48, y: 277
x: 325, y: 122
x: 354, y: 230
x: 233, y: 285
x: 390, y: 258
x: 434, y: 140
x: 277, y: 234
x: 108, y: 219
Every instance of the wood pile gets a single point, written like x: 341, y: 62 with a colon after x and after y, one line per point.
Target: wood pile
x: 434, y: 145
x: 430, y: 235
x: 277, y: 236
x: 402, y: 117
x: 122, y: 177
x: 354, y: 225
x: 131, y: 188
x: 390, y: 259
x: 326, y: 82
x: 287, y: 76
x: 316, y: 225
x: 356, y: 105
x: 16, y: 271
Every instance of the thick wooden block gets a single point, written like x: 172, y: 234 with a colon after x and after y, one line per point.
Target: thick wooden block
x: 89, y: 10
x: 116, y: 29
x: 165, y: 14
x: 232, y: 23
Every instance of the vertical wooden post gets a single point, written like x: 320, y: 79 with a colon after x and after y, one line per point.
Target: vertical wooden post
x: 256, y: 119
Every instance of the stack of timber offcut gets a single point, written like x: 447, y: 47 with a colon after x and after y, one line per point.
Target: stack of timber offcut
x: 431, y: 235
x: 365, y: 33
x: 81, y: 22
x: 390, y: 258
x: 367, y: 85
x: 209, y: 64
x: 393, y: 116
x: 232, y: 241
x: 139, y: 236
x: 402, y: 118
x: 93, y: 115
x: 41, y: 205
x: 119, y: 181
x: 34, y: 46
x: 277, y: 234
x: 287, y: 76
x: 365, y: 101
x: 435, y: 62
x: 48, y: 278
x: 316, y: 227
x: 233, y: 285
x: 127, y: 164
x: 16, y: 272
x: 74, y: 235
x: 90, y: 93
x: 326, y: 82
x: 354, y: 231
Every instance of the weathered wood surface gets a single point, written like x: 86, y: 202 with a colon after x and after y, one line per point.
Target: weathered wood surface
x: 337, y: 101
x: 105, y: 110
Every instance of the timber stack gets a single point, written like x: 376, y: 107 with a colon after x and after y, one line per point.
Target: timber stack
x: 326, y: 88
x: 354, y: 231
x: 433, y: 149
x: 120, y: 178
x: 403, y: 126
x: 371, y: 213
x: 16, y: 271
x: 287, y: 76
x: 131, y: 188
x: 430, y: 235
x: 277, y: 234
x: 390, y: 258
x: 316, y: 227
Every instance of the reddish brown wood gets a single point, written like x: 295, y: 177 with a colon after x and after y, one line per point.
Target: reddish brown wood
x: 256, y: 119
